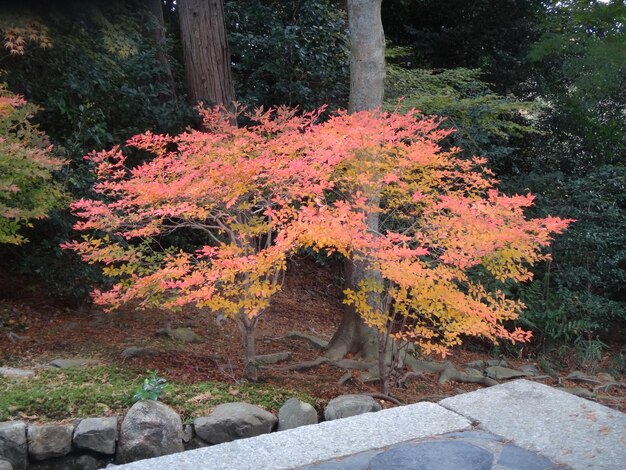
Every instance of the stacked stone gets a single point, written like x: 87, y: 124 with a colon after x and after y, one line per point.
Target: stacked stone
x: 152, y: 429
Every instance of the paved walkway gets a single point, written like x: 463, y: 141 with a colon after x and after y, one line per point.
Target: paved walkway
x: 518, y: 425
x: 466, y: 450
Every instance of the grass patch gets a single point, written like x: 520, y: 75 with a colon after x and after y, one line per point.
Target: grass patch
x: 104, y: 390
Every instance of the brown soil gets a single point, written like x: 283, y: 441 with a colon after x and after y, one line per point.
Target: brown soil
x: 310, y: 303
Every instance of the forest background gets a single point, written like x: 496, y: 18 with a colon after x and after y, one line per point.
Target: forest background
x: 537, y: 87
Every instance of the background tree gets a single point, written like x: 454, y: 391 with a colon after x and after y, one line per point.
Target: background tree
x: 206, y: 52
x: 160, y: 40
x: 577, y: 166
x: 27, y: 191
x: 367, y: 76
x: 99, y: 84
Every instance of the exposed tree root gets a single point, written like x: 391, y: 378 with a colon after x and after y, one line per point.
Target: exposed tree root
x: 447, y: 372
x: 342, y: 363
x: 305, y: 365
x: 606, y: 387
x: 314, y: 341
x: 385, y: 397
x: 15, y: 338
x: 418, y: 368
x: 344, y: 378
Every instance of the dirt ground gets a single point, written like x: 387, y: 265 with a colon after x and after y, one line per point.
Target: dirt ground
x: 35, y: 329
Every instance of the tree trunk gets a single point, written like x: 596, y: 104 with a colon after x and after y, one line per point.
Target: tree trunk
x: 156, y: 8
x: 247, y: 328
x: 367, y: 75
x: 206, y: 54
x: 367, y: 55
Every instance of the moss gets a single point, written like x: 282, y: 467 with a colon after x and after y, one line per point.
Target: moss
x: 105, y: 390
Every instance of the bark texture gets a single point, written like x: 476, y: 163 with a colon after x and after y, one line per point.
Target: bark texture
x: 367, y: 55
x: 206, y: 53
x: 156, y: 9
x: 367, y: 75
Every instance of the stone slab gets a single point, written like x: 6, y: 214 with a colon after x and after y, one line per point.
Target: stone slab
x: 73, y: 363
x: 307, y: 445
x: 442, y: 455
x: 567, y: 429
x: 16, y: 373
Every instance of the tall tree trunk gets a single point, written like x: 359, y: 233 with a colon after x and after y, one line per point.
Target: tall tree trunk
x: 206, y: 53
x: 367, y: 75
x: 367, y: 55
x: 156, y: 8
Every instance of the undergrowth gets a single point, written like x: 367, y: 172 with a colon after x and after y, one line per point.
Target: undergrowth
x: 54, y: 395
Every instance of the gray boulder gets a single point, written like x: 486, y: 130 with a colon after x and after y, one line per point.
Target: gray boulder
x: 47, y: 441
x: 530, y: 369
x: 74, y: 363
x: 274, y: 357
x: 350, y: 405
x: 295, y: 413
x: 232, y: 421
x: 13, y: 447
x: 135, y: 351
x: 5, y: 465
x: 503, y: 373
x: 96, y: 434
x: 70, y: 462
x: 186, y: 335
x: 16, y: 373
x: 150, y: 429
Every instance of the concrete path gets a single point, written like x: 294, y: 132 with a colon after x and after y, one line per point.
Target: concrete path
x: 518, y: 425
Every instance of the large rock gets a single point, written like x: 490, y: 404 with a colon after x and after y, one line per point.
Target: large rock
x: 186, y: 335
x: 74, y: 363
x: 232, y: 421
x: 295, y: 413
x: 503, y: 373
x: 47, y: 441
x: 150, y: 429
x: 13, y: 444
x: 16, y: 373
x: 5, y: 465
x: 135, y: 351
x: 350, y: 405
x: 274, y: 357
x: 71, y: 462
x: 96, y: 434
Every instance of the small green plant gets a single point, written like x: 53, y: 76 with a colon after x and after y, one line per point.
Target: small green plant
x: 152, y: 388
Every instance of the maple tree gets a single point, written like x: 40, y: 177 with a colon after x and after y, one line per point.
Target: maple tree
x: 235, y: 186
x: 18, y: 31
x: 447, y: 243
x: 26, y: 167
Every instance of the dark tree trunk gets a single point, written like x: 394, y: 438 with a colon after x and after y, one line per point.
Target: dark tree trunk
x: 367, y: 75
x: 156, y: 8
x: 206, y: 53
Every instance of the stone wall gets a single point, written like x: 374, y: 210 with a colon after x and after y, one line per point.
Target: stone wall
x: 152, y: 429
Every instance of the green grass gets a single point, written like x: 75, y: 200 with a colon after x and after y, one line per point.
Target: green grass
x: 99, y: 391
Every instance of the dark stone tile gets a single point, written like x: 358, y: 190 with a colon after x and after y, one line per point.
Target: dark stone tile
x: 353, y: 462
x: 516, y: 458
x: 434, y: 455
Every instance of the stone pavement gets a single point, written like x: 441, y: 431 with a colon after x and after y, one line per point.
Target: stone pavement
x: 517, y: 425
x: 467, y: 450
